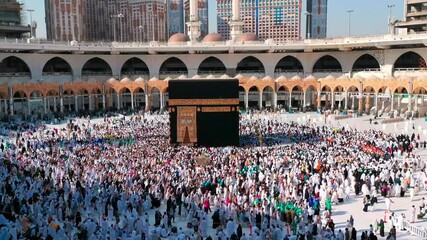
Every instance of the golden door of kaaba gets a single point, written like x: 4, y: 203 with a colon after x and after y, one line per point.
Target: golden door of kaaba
x: 204, y: 112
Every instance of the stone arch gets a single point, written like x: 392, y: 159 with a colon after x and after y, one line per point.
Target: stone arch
x: 14, y: 66
x: 401, y: 90
x: 420, y: 90
x: 134, y: 67
x: 36, y: 94
x: 289, y: 64
x: 211, y: 65
x: 297, y: 97
x: 57, y: 65
x: 327, y: 63
x: 268, y: 96
x: 310, y: 93
x: 253, y: 96
x: 173, y: 65
x: 410, y: 60
x: 139, y: 96
x: 366, y: 62
x: 283, y: 97
x: 250, y: 64
x: 242, y: 96
x: 96, y: 66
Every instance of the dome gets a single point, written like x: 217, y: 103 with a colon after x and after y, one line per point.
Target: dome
x: 239, y: 76
x: 125, y: 80
x: 330, y: 78
x: 248, y: 37
x: 196, y: 77
x: 210, y: 76
x: 296, y: 78
x: 178, y: 38
x: 140, y: 79
x: 281, y: 78
x: 267, y: 78
x: 310, y: 78
x: 154, y: 79
x: 225, y: 76
x: 213, y: 37
x: 167, y: 79
x: 111, y: 80
x: 182, y: 77
x: 343, y: 78
x: 253, y: 78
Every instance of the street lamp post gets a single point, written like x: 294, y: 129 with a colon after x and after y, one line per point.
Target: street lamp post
x: 349, y: 21
x: 154, y: 19
x: 114, y: 26
x: 309, y: 15
x: 141, y: 29
x: 31, y: 21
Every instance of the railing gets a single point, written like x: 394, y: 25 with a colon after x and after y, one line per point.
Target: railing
x: 366, y: 70
x: 210, y: 72
x: 420, y: 232
x: 90, y: 73
x: 135, y: 73
x: 15, y: 74
x: 56, y: 73
x: 326, y: 41
x: 410, y: 69
x: 250, y: 71
x: 326, y: 70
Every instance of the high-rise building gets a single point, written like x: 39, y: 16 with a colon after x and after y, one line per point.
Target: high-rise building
x: 176, y: 22
x: 106, y: 20
x: 317, y: 18
x: 11, y: 24
x: 203, y: 15
x: 268, y: 19
x: 415, y: 16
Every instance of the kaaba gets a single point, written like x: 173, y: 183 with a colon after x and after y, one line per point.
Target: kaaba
x: 204, y: 112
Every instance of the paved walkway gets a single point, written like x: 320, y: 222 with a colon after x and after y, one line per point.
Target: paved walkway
x: 353, y: 206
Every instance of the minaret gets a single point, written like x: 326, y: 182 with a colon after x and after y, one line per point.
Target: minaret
x: 236, y: 24
x: 194, y: 24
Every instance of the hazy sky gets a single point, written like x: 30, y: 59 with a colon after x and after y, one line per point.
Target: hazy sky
x: 369, y: 16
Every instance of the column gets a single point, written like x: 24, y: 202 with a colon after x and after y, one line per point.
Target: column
x: 90, y: 102
x: 260, y: 100
x: 399, y: 101
x: 28, y: 105
x: 61, y: 104
x: 352, y: 104
x: 103, y: 101
x: 376, y: 103
x: 274, y: 100
x: 290, y: 101
x: 368, y: 103
x: 132, y: 101
x: 76, y: 106
x: 54, y: 104
x: 319, y: 101
x: 332, y: 101
x: 346, y: 100
x: 118, y: 101
x: 11, y: 105
x: 246, y: 100
x: 360, y: 103
x: 326, y: 101
x: 44, y: 106
x: 147, y: 103
x: 410, y: 102
x: 339, y: 101
x: 392, y: 105
x: 304, y: 101
x: 161, y: 100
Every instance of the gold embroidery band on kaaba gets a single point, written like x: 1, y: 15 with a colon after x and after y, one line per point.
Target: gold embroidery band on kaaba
x: 216, y: 109
x: 196, y: 102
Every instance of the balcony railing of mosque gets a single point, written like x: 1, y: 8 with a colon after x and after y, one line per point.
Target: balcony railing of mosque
x: 211, y: 72
x: 409, y: 69
x: 91, y: 73
x: 56, y: 73
x: 327, y: 70
x: 15, y: 74
x: 366, y: 70
x: 135, y: 73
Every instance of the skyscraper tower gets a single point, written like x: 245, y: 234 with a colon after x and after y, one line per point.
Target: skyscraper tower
x: 268, y: 19
x: 317, y: 18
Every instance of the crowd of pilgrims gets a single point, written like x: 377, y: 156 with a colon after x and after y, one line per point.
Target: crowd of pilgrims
x: 121, y: 179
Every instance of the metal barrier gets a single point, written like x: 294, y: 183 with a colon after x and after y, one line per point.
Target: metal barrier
x: 420, y: 232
